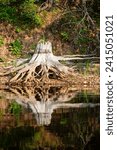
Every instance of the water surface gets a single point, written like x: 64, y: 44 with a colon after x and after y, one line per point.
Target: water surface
x: 49, y: 118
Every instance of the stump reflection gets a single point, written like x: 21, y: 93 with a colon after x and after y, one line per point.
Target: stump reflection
x: 42, y: 101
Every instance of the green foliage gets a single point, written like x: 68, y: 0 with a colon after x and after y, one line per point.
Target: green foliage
x: 28, y: 12
x: 8, y: 13
x: 63, y: 121
x: 15, y: 108
x: 18, y: 29
x: 23, y: 12
x: 16, y: 47
x: 37, y: 136
x: 1, y: 41
x: 7, y: 1
x: 86, y: 41
x: 64, y: 35
x: 78, y: 32
x: 1, y: 59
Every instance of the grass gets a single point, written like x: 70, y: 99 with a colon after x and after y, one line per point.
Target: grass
x: 64, y: 35
x: 88, y: 68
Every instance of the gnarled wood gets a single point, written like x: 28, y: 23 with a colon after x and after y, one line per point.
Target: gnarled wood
x: 42, y: 66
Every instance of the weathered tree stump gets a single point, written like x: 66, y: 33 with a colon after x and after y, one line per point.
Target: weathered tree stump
x: 42, y: 66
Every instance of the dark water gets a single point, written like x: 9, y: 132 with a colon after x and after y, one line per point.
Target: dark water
x: 58, y: 119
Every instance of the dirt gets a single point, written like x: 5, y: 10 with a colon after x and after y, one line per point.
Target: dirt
x: 30, y: 37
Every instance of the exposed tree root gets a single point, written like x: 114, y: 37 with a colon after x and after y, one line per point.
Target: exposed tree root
x: 42, y: 66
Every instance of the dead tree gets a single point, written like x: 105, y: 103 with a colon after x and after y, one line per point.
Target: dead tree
x: 42, y: 66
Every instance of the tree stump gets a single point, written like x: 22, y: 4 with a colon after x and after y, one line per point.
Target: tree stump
x: 42, y: 66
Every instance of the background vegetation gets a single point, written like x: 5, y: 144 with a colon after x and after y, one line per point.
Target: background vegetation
x: 71, y: 25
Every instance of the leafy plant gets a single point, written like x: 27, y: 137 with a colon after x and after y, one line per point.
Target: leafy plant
x: 8, y: 13
x: 1, y: 41
x: 64, y: 35
x: 16, y: 47
x: 15, y: 108
x: 7, y: 1
x: 18, y: 30
x: 23, y: 12
x: 29, y: 12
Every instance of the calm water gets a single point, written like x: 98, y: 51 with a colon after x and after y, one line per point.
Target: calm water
x: 49, y: 118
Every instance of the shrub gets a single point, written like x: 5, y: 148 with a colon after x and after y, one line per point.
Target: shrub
x: 23, y: 11
x: 7, y: 13
x: 29, y: 12
x: 16, y: 47
x: 15, y: 108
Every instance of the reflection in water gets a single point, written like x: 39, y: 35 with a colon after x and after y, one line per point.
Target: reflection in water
x: 71, y: 125
x: 43, y: 101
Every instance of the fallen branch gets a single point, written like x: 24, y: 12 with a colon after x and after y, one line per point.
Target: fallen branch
x: 77, y: 58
